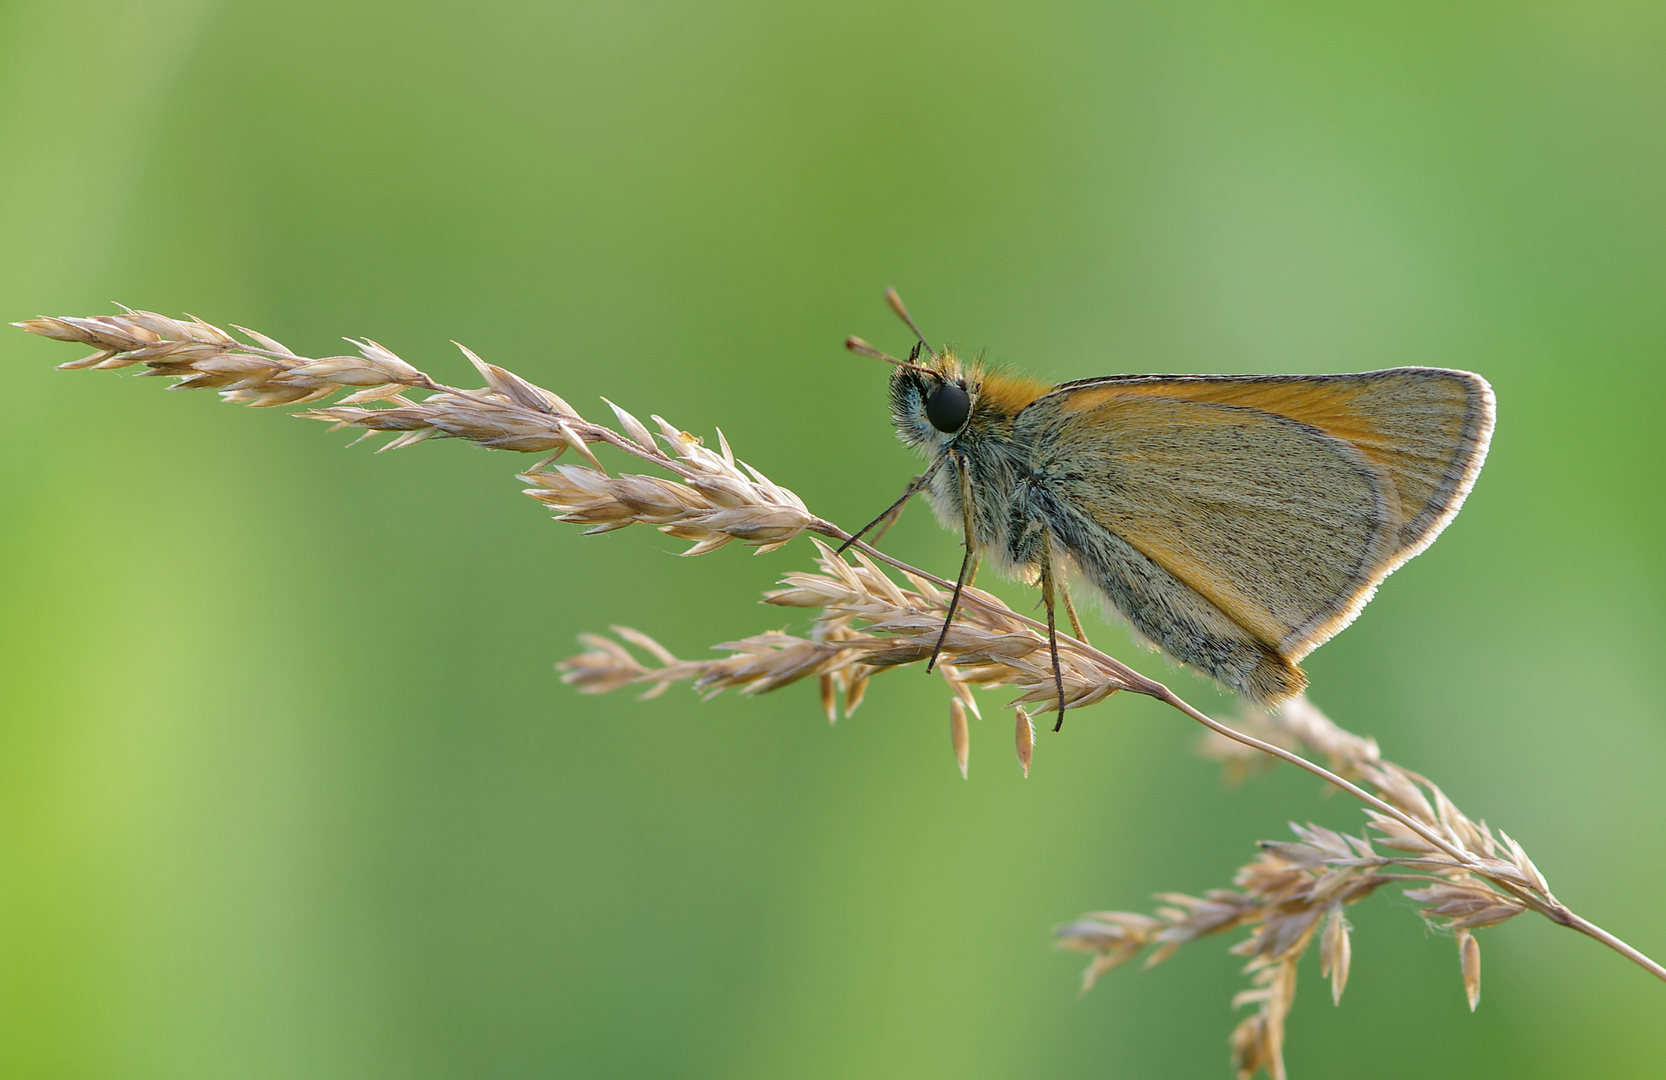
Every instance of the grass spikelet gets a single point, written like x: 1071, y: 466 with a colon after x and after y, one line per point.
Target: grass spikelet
x: 960, y: 736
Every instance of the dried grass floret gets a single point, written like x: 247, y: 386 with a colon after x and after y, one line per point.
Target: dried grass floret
x: 864, y: 624
x: 960, y: 736
x: 713, y: 499
x: 1461, y: 874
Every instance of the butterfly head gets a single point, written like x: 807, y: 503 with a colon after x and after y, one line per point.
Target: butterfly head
x: 936, y: 399
x: 933, y: 402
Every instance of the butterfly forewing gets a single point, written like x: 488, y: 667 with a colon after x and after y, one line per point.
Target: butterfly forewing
x: 1427, y: 429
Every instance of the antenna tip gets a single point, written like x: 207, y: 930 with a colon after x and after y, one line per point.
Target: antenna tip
x: 862, y: 348
x: 895, y: 301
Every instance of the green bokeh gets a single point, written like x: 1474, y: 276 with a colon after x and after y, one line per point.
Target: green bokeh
x: 287, y: 786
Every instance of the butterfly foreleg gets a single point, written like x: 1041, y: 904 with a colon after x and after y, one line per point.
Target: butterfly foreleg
x: 888, y: 518
x: 968, y: 563
x: 1052, y: 631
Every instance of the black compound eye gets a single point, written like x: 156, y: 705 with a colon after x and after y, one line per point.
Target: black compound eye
x: 947, y: 407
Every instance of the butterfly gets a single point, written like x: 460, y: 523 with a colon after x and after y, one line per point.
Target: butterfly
x: 1236, y: 522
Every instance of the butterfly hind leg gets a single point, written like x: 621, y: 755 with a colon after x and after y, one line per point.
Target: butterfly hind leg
x: 1070, y: 609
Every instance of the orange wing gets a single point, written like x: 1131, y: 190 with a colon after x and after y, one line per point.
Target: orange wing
x: 1240, y: 521
x: 1427, y: 429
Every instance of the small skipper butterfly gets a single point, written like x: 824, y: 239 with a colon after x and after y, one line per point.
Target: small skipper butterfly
x: 1236, y: 522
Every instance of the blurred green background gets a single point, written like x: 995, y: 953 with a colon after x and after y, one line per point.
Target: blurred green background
x: 287, y: 785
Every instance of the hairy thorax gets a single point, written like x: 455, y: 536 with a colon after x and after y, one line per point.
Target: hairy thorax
x: 998, y: 465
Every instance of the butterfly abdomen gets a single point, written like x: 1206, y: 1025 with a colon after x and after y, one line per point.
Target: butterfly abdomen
x: 1172, y: 616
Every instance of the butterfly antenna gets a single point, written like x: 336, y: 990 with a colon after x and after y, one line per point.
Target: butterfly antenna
x: 895, y: 301
x: 862, y: 348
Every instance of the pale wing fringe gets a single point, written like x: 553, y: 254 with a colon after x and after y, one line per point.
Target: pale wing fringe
x: 1463, y: 875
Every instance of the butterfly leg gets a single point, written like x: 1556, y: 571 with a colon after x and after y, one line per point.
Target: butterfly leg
x: 968, y: 564
x: 889, y: 517
x: 1052, y: 632
x: 1070, y: 608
